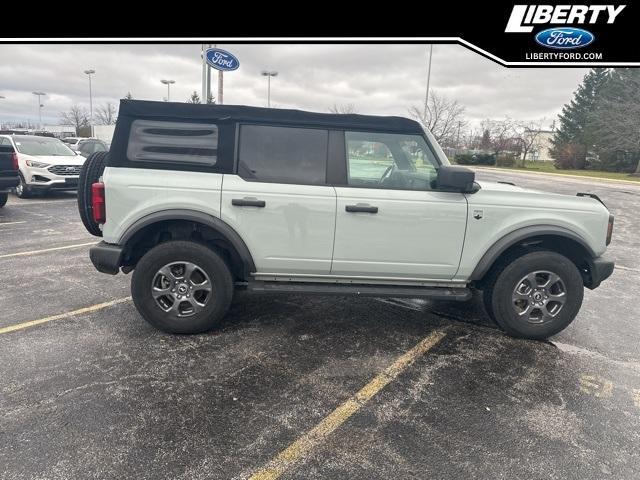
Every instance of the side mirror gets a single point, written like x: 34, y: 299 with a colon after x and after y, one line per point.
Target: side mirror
x: 455, y: 179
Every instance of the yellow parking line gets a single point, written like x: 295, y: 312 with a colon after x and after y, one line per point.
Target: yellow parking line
x: 61, y: 316
x: 314, y: 437
x: 44, y: 250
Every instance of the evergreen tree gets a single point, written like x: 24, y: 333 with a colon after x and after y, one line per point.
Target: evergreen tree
x: 575, y: 137
x: 616, y: 119
x: 485, y: 142
x: 194, y: 98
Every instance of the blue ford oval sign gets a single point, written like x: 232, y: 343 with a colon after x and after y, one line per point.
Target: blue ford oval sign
x: 221, y: 59
x: 564, y: 38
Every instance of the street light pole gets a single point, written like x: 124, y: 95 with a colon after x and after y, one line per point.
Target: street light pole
x: 426, y: 100
x: 269, y: 74
x: 39, y: 94
x: 89, y: 73
x: 168, y: 84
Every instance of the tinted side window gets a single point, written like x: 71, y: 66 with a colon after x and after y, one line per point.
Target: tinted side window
x: 283, y: 154
x: 173, y: 142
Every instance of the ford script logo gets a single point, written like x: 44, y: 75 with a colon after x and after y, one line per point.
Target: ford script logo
x: 564, y: 38
x: 221, y: 59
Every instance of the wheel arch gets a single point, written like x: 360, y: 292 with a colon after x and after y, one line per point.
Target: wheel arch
x: 153, y: 229
x: 550, y: 237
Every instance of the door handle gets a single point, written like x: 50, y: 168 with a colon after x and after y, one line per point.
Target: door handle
x: 248, y: 202
x: 361, y: 207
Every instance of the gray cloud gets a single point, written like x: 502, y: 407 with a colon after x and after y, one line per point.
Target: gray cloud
x: 378, y: 79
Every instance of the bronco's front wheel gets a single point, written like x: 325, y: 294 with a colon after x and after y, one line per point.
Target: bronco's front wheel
x: 535, y: 295
x: 182, y: 287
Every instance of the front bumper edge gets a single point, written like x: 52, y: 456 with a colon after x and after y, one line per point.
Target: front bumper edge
x: 600, y: 269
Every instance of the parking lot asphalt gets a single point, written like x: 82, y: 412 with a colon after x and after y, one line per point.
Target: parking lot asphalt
x: 100, y: 394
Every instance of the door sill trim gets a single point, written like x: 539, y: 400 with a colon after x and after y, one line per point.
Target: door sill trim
x: 357, y: 280
x: 389, y: 291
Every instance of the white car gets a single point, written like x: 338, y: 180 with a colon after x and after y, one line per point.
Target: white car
x: 199, y: 200
x: 44, y: 163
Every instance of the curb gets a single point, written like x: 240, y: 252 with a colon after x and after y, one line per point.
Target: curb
x: 567, y: 175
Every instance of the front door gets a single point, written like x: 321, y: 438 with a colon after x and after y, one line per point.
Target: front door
x: 390, y: 221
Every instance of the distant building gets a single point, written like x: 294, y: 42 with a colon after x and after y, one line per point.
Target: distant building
x: 104, y: 132
x: 541, y: 152
x: 61, y: 131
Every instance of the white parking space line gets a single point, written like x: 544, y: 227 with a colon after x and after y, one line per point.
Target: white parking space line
x: 40, y: 202
x: 44, y: 250
x: 11, y: 223
x: 628, y: 269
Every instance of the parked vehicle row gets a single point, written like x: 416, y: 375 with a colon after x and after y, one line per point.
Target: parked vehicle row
x: 85, y: 146
x: 46, y: 163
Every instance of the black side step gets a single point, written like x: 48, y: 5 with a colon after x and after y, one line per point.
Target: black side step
x: 440, y: 293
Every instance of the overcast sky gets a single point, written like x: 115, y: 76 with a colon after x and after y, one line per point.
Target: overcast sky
x: 377, y: 79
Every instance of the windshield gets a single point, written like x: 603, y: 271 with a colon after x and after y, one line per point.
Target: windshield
x: 37, y: 146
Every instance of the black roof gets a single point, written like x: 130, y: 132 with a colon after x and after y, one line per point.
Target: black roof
x: 198, y: 112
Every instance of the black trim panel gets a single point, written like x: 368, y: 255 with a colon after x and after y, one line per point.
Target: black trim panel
x: 600, y: 269
x: 9, y: 182
x: 106, y: 258
x: 440, y: 293
x: 337, y: 159
x: 520, y: 235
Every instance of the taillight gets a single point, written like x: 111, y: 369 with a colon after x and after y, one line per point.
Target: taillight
x: 14, y: 160
x: 98, y: 205
x: 610, y: 229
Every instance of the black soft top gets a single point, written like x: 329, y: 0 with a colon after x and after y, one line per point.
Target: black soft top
x: 197, y: 112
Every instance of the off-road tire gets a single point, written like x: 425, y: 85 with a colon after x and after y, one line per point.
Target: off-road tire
x: 3, y: 199
x: 90, y: 173
x: 177, y: 252
x: 500, y: 291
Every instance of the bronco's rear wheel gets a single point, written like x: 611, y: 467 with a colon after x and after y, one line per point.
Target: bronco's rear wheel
x: 3, y: 199
x: 182, y: 287
x: 91, y: 171
x: 536, y: 295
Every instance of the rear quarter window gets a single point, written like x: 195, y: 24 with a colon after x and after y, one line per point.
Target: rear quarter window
x: 283, y: 154
x: 173, y: 142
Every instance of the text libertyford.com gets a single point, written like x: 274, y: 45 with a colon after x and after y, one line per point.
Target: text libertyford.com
x: 563, y: 55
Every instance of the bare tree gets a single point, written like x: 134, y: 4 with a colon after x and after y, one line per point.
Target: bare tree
x: 444, y: 117
x: 346, y: 108
x: 76, y: 116
x: 528, y: 134
x: 106, y: 114
x: 500, y: 135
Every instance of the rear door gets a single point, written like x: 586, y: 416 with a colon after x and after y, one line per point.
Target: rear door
x: 279, y: 201
x: 390, y: 221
